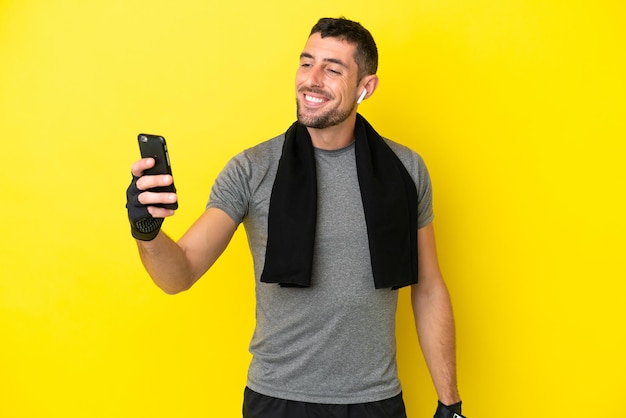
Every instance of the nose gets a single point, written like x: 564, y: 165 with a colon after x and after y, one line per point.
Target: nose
x: 314, y: 77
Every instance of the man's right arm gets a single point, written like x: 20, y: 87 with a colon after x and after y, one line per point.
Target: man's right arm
x: 176, y: 266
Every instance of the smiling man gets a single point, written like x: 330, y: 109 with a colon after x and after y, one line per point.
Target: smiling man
x: 338, y: 218
x: 327, y: 81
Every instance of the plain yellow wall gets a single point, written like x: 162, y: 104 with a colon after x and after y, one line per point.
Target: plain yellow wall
x: 517, y: 107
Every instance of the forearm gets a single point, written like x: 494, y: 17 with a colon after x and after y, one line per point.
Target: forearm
x: 166, y: 263
x: 435, y: 327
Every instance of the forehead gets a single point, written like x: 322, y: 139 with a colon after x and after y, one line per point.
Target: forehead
x: 329, y: 48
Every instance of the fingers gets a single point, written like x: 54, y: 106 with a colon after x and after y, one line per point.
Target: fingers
x: 148, y: 198
x: 151, y: 198
x: 140, y: 166
x: 160, y: 212
x: 149, y: 182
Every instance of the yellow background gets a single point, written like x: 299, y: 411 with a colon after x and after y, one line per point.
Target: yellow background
x: 516, y: 105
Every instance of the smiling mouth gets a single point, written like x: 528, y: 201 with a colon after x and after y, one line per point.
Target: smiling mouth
x: 315, y: 99
x: 311, y: 99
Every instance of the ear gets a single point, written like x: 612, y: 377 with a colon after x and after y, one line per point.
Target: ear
x: 369, y: 83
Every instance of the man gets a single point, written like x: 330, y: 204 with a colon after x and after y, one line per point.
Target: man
x: 337, y: 218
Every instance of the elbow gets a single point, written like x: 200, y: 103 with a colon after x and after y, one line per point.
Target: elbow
x: 174, y: 288
x: 172, y: 292
x: 432, y: 291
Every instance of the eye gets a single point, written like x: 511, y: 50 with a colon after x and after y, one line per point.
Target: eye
x: 334, y: 71
x: 306, y: 62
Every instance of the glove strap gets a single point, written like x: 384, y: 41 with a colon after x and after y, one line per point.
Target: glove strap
x: 448, y: 411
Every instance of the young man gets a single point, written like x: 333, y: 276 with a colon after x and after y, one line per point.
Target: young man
x: 337, y: 218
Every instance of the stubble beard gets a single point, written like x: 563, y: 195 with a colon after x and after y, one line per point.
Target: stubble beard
x: 330, y: 117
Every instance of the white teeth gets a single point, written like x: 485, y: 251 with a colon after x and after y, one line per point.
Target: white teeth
x: 313, y: 99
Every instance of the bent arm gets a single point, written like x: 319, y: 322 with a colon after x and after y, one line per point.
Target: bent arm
x: 434, y: 319
x: 176, y: 266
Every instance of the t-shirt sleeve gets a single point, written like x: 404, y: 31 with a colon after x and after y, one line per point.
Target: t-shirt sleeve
x: 416, y: 167
x: 230, y: 191
x: 425, y: 213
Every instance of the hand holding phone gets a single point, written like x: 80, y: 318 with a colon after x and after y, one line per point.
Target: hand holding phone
x: 154, y: 146
x: 143, y: 225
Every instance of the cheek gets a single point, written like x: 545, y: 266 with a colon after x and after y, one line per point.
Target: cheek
x: 347, y: 90
x: 300, y: 79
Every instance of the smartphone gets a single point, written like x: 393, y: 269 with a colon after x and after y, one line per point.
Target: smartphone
x: 154, y: 146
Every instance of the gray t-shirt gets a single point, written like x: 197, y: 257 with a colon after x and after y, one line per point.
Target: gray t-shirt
x: 333, y: 342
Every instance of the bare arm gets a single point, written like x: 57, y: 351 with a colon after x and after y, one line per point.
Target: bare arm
x: 176, y: 266
x: 434, y: 319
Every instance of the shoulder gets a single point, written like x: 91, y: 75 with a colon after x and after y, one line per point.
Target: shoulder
x: 416, y: 167
x: 265, y: 149
x: 245, y: 174
x: 260, y: 157
x: 413, y: 162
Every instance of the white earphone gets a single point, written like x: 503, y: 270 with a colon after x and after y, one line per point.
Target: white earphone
x: 360, y: 99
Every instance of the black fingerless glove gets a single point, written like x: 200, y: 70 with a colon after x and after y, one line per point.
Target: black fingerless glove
x: 142, y: 225
x: 448, y: 411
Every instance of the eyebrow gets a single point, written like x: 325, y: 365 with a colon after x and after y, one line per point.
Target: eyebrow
x: 332, y: 60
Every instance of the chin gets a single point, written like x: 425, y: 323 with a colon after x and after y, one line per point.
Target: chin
x: 322, y: 121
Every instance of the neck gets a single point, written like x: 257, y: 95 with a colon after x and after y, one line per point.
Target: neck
x: 334, y: 137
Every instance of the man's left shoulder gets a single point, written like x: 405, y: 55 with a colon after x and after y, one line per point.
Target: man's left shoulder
x: 406, y: 154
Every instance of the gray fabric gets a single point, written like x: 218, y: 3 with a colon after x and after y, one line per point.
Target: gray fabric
x: 335, y: 341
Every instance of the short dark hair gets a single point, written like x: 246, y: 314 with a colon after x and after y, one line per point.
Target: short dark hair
x: 366, y: 55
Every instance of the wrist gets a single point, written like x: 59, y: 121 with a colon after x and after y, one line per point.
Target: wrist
x: 448, y: 410
x: 452, y: 406
x: 450, y: 398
